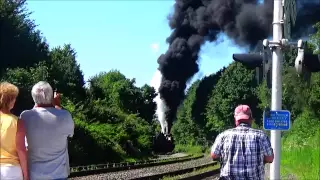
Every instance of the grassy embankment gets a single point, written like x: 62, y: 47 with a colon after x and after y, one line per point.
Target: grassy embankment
x: 300, y: 156
x: 301, y: 149
x: 191, y: 149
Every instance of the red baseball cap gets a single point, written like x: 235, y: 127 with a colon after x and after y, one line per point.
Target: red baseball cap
x: 242, y: 112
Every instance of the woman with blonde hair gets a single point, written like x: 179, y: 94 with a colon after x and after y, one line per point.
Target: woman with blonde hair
x: 13, y: 159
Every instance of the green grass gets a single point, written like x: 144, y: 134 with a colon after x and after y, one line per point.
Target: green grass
x: 301, y: 160
x: 190, y: 149
x: 300, y: 156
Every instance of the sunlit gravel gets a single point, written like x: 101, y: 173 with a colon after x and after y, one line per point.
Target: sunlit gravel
x: 135, y: 173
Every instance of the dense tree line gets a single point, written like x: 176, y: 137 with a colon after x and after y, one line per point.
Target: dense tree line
x: 114, y: 117
x: 208, y: 107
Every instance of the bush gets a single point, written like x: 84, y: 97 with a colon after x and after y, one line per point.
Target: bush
x: 190, y: 149
x: 301, y: 149
x: 99, y: 142
x: 302, y: 130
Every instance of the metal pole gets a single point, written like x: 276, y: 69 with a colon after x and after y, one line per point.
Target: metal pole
x: 276, y: 101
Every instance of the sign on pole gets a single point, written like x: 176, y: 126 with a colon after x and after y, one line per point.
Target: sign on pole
x: 276, y: 120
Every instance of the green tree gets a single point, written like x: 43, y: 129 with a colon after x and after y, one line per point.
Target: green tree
x: 315, y: 38
x: 21, y: 45
x: 236, y: 86
x: 65, y: 73
x: 185, y: 130
x: 147, y: 107
x: 120, y: 92
x: 314, y: 99
x: 114, y: 86
x: 25, y: 79
x: 190, y: 126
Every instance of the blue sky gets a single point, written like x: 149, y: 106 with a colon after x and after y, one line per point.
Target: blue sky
x: 124, y: 35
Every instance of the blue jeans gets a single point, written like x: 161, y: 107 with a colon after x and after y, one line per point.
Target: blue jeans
x: 61, y: 179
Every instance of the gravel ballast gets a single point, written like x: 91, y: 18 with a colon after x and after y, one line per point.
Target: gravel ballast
x: 135, y: 173
x: 175, y: 155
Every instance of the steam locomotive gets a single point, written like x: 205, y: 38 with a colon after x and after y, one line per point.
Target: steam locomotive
x: 163, y: 143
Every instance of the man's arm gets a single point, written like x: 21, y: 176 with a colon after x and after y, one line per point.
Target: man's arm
x: 216, y: 148
x: 70, y: 129
x: 267, y: 149
x: 69, y: 120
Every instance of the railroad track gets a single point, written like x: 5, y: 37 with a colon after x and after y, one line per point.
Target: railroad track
x: 154, y: 172
x: 210, y: 175
x: 184, y: 171
x: 123, y: 164
x: 114, y: 167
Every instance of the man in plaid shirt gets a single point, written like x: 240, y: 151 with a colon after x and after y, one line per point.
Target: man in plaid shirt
x: 242, y: 150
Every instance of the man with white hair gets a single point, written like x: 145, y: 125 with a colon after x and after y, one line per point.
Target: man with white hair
x: 47, y: 130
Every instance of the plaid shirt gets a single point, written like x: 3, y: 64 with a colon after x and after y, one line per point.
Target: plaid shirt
x: 242, y: 150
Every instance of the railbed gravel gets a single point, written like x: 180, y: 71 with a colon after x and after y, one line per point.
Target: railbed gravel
x: 174, y: 155
x: 135, y: 173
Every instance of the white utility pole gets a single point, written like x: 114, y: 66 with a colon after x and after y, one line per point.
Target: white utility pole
x: 276, y: 97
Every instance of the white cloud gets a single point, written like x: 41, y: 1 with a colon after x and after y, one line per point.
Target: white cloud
x: 155, y: 47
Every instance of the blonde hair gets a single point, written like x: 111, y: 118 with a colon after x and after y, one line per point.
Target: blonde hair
x: 8, y: 92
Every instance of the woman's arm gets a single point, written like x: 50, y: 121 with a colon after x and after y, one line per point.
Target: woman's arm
x: 21, y: 149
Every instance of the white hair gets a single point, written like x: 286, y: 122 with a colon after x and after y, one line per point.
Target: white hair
x: 42, y: 93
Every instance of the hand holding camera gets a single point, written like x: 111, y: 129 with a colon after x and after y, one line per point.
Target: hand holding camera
x: 57, y: 100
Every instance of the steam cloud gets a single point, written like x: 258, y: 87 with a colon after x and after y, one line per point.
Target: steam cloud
x: 196, y: 21
x: 161, y: 107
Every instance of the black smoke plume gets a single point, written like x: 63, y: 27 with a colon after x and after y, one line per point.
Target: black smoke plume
x: 196, y: 21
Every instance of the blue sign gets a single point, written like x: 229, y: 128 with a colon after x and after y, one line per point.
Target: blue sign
x: 276, y: 120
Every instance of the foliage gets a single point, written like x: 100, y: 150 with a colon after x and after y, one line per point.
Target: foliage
x: 190, y: 149
x: 65, y: 73
x: 21, y: 44
x: 190, y: 127
x: 129, y: 137
x: 229, y: 92
x: 121, y: 92
x: 301, y: 149
x: 237, y: 85
x: 185, y: 130
x: 25, y: 78
x: 315, y: 38
x: 113, y: 117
